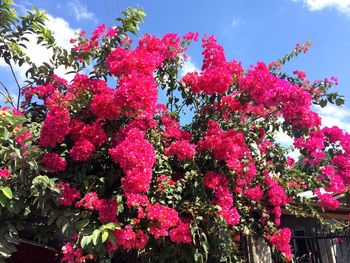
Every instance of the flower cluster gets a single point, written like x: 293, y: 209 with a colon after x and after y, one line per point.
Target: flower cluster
x: 56, y: 126
x: 222, y: 196
x: 163, y: 217
x: 53, y: 162
x: 107, y: 209
x: 181, y: 149
x: 128, y: 238
x: 281, y: 241
x: 181, y: 234
x: 71, y: 255
x: 136, y: 157
x: 230, y: 147
x: 4, y: 173
x: 142, y: 179
x: 69, y: 194
x: 270, y: 91
x: 217, y: 74
x: 277, y: 197
x: 314, y: 146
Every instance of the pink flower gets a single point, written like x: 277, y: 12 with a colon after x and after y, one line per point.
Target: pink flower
x: 107, y: 210
x: 103, y: 106
x: 339, y: 241
x: 181, y: 234
x: 191, y: 80
x: 21, y: 139
x: 128, y: 238
x: 4, y: 173
x: 163, y: 217
x: 98, y: 32
x: 136, y: 157
x: 183, y: 150
x: 90, y: 201
x: 290, y: 161
x: 275, y: 64
x: 94, y: 132
x: 69, y: 194
x: 71, y: 255
x: 327, y: 200
x: 111, y: 32
x: 82, y: 151
x: 54, y: 163
x: 333, y: 134
x: 280, y: 240
x: 254, y: 194
x: 212, y: 180
x: 276, y: 193
x: 228, y: 145
x: 56, y: 127
x: 301, y: 74
x: 191, y: 36
x: 222, y: 196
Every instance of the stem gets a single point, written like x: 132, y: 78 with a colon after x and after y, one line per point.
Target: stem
x: 183, y: 104
x: 7, y: 96
x: 5, y: 88
x: 9, y: 99
x: 19, y: 87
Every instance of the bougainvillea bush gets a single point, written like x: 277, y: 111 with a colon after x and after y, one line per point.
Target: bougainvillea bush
x: 101, y: 163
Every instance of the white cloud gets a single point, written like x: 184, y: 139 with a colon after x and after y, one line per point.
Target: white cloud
x: 342, y: 6
x: 62, y: 30
x: 294, y: 154
x: 283, y: 139
x: 286, y: 141
x: 81, y: 11
x: 335, y: 116
x: 39, y: 54
x: 188, y: 66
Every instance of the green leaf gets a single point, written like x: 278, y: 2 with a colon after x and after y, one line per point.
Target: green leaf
x: 81, y: 224
x: 323, y: 103
x: 65, y: 224
x: 7, y: 192
x: 96, y: 236
x: 3, y: 200
x: 51, y: 218
x: 85, y: 241
x: 111, y: 237
x: 110, y: 226
x: 339, y: 101
x: 104, y: 236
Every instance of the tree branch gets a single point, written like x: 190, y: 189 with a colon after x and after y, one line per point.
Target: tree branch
x: 19, y: 86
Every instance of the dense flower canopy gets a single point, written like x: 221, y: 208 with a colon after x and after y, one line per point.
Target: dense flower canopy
x: 130, y: 178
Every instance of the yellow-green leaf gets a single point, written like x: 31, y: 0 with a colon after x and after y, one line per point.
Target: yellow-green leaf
x: 7, y: 192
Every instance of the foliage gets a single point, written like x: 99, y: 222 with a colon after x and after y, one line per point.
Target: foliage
x: 118, y: 178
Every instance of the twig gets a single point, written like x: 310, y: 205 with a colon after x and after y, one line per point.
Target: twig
x: 5, y: 88
x: 8, y: 96
x: 19, y: 87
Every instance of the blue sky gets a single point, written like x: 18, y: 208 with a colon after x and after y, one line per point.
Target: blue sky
x: 249, y: 30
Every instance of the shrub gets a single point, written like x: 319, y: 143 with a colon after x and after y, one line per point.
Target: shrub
x: 117, y: 175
